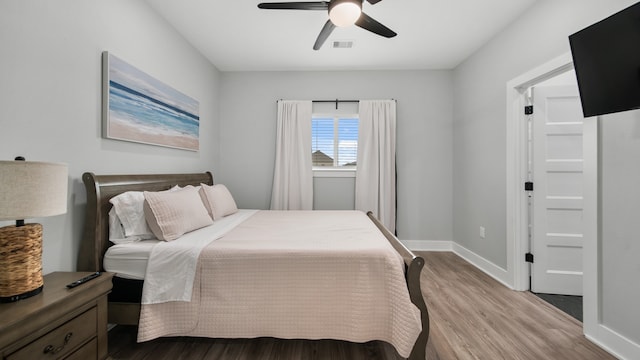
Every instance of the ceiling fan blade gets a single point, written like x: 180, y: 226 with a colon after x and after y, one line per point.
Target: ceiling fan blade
x: 324, y: 34
x: 373, y: 2
x: 313, y: 5
x: 366, y: 22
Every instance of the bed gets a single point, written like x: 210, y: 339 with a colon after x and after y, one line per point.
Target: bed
x: 233, y: 308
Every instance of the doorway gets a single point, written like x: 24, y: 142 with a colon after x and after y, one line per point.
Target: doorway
x: 555, y: 171
x: 518, y: 244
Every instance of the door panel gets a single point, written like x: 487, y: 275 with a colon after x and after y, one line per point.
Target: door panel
x: 557, y: 197
x: 565, y: 146
x: 564, y: 183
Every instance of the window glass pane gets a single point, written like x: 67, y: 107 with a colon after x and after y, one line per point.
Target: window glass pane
x: 347, y: 142
x: 334, y: 141
x: 322, y: 141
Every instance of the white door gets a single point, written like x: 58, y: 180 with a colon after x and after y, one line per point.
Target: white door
x: 557, y: 191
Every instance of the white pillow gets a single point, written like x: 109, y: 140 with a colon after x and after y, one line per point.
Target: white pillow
x: 172, y: 214
x: 126, y: 218
x: 116, y: 231
x: 218, y: 201
x: 129, y: 209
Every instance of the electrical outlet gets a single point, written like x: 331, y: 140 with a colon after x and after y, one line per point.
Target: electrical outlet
x: 482, y: 232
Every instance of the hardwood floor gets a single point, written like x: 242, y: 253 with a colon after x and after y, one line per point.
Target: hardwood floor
x: 472, y: 317
x: 475, y: 317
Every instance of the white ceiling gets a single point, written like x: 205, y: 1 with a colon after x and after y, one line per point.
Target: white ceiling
x: 432, y: 34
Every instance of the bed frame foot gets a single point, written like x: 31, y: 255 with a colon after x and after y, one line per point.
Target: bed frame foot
x: 414, y: 265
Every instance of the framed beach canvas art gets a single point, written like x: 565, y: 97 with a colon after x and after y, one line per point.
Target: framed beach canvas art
x: 137, y: 107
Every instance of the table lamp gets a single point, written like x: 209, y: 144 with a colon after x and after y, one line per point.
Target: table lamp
x: 28, y: 189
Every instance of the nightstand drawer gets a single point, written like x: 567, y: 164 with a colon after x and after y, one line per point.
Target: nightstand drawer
x: 62, y: 340
x: 88, y: 351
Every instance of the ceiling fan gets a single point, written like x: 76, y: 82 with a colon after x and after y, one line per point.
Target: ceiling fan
x: 341, y: 13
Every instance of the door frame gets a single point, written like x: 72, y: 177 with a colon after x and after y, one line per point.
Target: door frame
x: 517, y: 205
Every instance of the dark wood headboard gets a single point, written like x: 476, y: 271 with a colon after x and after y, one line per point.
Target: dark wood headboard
x: 100, y: 189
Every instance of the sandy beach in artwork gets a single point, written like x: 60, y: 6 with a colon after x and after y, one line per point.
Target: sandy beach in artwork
x: 123, y: 131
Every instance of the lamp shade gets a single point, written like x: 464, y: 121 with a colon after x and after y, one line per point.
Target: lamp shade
x: 31, y: 189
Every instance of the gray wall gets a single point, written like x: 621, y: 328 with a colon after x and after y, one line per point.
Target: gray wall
x: 50, y: 97
x: 620, y: 228
x: 479, y: 137
x: 247, y: 145
x: 334, y: 193
x: 479, y: 145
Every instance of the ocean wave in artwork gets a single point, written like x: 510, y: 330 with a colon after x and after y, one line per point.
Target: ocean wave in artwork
x: 146, y: 116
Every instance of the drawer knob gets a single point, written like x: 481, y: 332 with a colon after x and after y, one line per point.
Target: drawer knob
x: 52, y: 350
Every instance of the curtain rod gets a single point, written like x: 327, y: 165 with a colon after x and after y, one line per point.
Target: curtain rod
x: 338, y: 101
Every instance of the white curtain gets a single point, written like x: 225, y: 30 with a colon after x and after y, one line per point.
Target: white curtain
x: 376, y: 169
x: 293, y: 176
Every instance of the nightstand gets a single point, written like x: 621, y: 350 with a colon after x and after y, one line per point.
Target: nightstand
x: 58, y: 323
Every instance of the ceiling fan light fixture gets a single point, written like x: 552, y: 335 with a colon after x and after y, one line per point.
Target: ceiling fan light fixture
x: 344, y: 12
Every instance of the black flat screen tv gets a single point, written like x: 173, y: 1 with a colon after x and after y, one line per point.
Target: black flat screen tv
x: 606, y: 57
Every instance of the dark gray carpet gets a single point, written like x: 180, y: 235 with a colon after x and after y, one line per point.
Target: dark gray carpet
x: 571, y: 305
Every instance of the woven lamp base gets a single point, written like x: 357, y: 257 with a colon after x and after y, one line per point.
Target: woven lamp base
x: 20, y: 262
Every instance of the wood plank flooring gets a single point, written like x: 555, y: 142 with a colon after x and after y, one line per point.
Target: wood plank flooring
x: 475, y: 317
x: 472, y: 317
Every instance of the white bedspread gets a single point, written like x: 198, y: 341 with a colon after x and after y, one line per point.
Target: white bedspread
x: 172, y: 264
x: 295, y: 275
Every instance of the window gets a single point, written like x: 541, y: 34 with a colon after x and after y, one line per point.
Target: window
x: 334, y: 141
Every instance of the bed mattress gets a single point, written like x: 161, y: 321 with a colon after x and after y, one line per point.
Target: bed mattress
x: 129, y: 261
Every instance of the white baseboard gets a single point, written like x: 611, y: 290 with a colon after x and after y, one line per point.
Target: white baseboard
x: 428, y: 245
x: 614, y: 343
x: 489, y: 268
x: 478, y: 261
